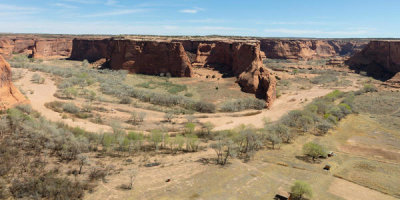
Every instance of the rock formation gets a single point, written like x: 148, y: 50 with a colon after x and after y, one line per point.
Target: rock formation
x: 309, y: 48
x: 9, y: 95
x: 35, y: 46
x: 380, y: 59
x: 145, y: 57
x: 177, y: 57
x: 240, y: 59
x: 10, y: 45
x: 45, y: 48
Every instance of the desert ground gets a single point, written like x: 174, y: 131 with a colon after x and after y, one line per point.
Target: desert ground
x: 365, y: 144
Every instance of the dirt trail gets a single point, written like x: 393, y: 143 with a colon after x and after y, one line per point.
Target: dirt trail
x: 43, y: 93
x: 281, y: 106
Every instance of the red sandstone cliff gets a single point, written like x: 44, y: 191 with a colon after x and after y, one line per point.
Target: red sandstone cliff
x: 145, y: 57
x: 241, y: 59
x: 52, y: 48
x: 379, y: 58
x: 35, y: 46
x: 10, y: 45
x: 309, y: 48
x: 9, y: 95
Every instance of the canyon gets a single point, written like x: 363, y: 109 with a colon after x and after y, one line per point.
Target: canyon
x: 9, y: 94
x: 380, y: 59
x: 240, y: 57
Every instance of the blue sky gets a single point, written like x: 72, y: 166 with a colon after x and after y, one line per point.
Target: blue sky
x: 266, y: 18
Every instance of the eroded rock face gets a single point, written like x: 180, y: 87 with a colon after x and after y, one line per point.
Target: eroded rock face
x: 145, y: 57
x: 380, y: 59
x: 309, y: 49
x: 10, y: 45
x: 34, y: 46
x: 52, y: 48
x: 177, y: 57
x: 240, y: 59
x: 9, y: 95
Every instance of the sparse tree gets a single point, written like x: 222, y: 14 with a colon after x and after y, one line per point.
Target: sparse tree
x: 169, y: 116
x: 132, y: 175
x: 300, y: 189
x: 274, y: 139
x: 83, y: 160
x: 156, y: 137
x: 189, y: 128
x: 208, y: 126
x: 224, y: 148
x: 282, y: 132
x: 314, y: 150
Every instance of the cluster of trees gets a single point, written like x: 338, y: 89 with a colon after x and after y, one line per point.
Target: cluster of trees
x: 27, y: 142
x: 112, y: 83
x: 317, y: 118
x: 236, y: 105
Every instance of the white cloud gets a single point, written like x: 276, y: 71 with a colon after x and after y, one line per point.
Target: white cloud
x: 116, y: 12
x: 63, y: 5
x: 191, y: 10
x: 17, y: 8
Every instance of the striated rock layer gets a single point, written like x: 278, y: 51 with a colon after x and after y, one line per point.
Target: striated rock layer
x: 307, y: 49
x: 9, y: 95
x: 177, y: 57
x: 34, y: 46
x: 145, y: 57
x: 380, y: 59
x: 240, y: 59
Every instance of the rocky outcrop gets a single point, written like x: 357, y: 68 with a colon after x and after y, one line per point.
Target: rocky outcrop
x: 240, y: 59
x: 20, y: 45
x: 9, y: 95
x: 34, y: 46
x: 145, y: 57
x: 380, y: 59
x: 45, y: 48
x: 309, y: 49
x: 177, y: 57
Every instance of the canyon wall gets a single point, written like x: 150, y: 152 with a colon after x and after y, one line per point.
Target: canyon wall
x: 307, y: 49
x: 34, y: 46
x: 177, y: 57
x: 45, y: 48
x: 380, y: 59
x: 145, y: 57
x: 9, y: 95
x: 240, y: 59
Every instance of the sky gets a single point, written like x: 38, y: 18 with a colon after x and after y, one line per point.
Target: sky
x: 263, y: 18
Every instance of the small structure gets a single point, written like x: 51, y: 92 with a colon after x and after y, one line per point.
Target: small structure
x: 327, y: 167
x: 282, y: 195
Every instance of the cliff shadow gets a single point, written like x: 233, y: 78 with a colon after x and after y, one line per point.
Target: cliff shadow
x: 373, y: 70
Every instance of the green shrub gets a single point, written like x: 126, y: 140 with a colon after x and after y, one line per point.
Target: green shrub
x: 47, y: 186
x: 314, y: 150
x: 70, y: 108
x: 36, y: 78
x: 370, y: 88
x: 242, y: 104
x: 299, y: 189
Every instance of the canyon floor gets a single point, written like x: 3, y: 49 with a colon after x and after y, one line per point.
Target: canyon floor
x: 366, y: 145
